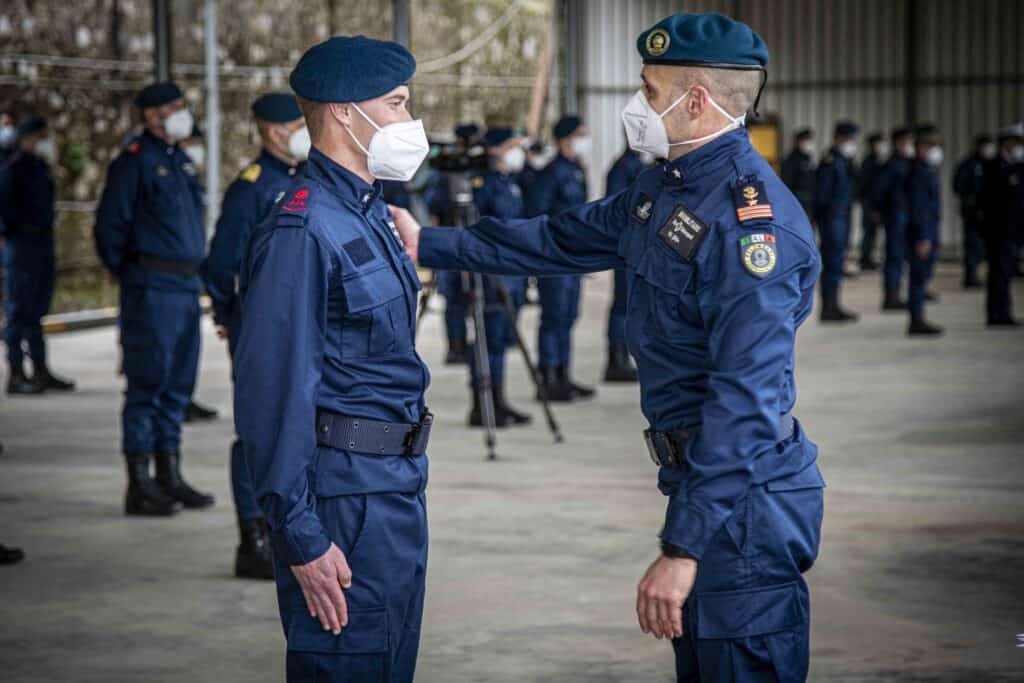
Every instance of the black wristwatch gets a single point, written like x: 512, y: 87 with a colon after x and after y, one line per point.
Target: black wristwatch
x: 669, y: 550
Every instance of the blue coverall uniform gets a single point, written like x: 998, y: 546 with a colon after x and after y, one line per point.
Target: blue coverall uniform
x: 149, y: 234
x: 560, y: 186
x: 329, y: 307
x: 623, y: 172
x: 925, y: 203
x: 833, y: 197
x: 721, y: 272
x: 247, y: 201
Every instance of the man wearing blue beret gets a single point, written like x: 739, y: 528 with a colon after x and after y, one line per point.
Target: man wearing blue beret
x: 248, y: 200
x: 328, y: 385
x: 833, y: 198
x: 722, y: 266
x: 150, y: 235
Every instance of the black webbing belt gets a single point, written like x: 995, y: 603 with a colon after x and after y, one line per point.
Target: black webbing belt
x: 373, y: 437
x: 668, y: 449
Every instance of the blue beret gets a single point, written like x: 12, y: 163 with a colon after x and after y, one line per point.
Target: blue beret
x: 29, y: 125
x: 928, y: 134
x: 351, y: 69
x: 277, y: 107
x: 709, y: 39
x: 803, y: 133
x: 467, y: 131
x: 901, y: 132
x: 157, y: 94
x: 497, y: 135
x: 846, y: 128
x: 566, y: 126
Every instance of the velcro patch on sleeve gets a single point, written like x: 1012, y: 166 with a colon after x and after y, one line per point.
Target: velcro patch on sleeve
x: 751, y: 201
x: 683, y: 232
x: 758, y: 253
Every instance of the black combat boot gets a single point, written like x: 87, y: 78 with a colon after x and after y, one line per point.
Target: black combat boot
x: 476, y: 415
x: 456, y: 352
x: 197, y: 412
x: 832, y: 312
x: 168, y: 475
x: 49, y: 380
x: 506, y: 413
x: 576, y: 390
x: 555, y: 390
x: 253, y: 558
x: 144, y: 496
x: 919, y: 327
x: 19, y: 384
x: 9, y: 555
x: 893, y: 302
x: 620, y: 366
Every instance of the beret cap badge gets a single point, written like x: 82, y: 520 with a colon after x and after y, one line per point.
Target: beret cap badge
x: 657, y: 42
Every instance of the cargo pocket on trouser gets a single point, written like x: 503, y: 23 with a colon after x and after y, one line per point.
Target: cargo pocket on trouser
x: 358, y: 655
x: 753, y: 634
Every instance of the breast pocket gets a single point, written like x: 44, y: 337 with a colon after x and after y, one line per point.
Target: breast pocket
x: 661, y: 300
x: 373, y: 321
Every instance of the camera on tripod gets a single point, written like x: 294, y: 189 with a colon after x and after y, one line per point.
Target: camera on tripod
x: 455, y: 157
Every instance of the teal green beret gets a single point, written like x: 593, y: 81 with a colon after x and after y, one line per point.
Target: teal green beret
x: 710, y: 39
x: 351, y: 69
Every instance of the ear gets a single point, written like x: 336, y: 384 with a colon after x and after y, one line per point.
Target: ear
x: 341, y: 112
x: 697, y: 101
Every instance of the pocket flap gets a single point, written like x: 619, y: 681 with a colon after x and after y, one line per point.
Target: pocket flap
x: 366, y: 633
x: 807, y: 478
x: 751, y: 611
x: 364, y: 291
x: 663, y: 270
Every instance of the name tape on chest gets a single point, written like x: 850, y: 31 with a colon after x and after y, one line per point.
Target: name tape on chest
x: 683, y: 232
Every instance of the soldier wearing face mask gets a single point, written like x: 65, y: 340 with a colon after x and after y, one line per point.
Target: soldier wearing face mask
x: 249, y: 199
x: 890, y: 198
x: 969, y: 186
x: 833, y: 197
x: 150, y: 235
x: 1004, y: 222
x: 560, y: 186
x: 871, y: 217
x: 925, y: 215
x: 798, y: 169
x: 28, y: 218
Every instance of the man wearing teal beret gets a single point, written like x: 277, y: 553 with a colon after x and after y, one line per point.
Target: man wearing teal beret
x: 721, y: 265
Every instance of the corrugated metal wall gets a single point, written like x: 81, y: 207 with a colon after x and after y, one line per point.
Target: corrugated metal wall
x: 832, y: 59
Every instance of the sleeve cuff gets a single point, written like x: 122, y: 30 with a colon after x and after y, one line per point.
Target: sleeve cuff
x: 690, y: 528
x: 438, y: 248
x: 300, y: 542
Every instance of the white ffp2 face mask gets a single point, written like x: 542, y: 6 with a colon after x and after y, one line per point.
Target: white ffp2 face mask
x: 46, y: 150
x: 396, y: 150
x: 514, y: 159
x: 934, y: 156
x: 645, y: 128
x: 299, y: 144
x: 179, y: 125
x: 582, y: 147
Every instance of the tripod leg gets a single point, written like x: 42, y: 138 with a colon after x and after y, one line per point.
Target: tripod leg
x: 482, y: 366
x: 425, y: 296
x: 504, y: 298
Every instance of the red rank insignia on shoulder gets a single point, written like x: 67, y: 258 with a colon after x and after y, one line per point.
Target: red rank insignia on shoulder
x: 297, y: 202
x: 133, y: 148
x: 751, y: 201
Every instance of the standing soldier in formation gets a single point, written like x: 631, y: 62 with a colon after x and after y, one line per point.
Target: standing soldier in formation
x: 28, y: 214
x: 248, y: 200
x: 722, y: 268
x: 620, y: 368
x: 1004, y: 222
x: 150, y: 236
x: 925, y: 201
x: 969, y: 186
x: 833, y: 197
x: 559, y: 187
x: 867, y: 180
x: 891, y: 199
x: 497, y: 194
x: 799, y: 169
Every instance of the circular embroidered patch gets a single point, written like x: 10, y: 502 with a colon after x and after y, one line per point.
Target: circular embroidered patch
x: 759, y: 259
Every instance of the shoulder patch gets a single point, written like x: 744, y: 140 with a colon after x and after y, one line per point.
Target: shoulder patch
x: 757, y: 251
x: 133, y: 148
x: 643, y: 209
x: 683, y: 232
x: 296, y: 202
x: 477, y: 182
x: 251, y: 173
x: 751, y: 200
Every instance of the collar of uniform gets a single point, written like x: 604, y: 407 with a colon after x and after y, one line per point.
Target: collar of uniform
x: 152, y: 140
x: 268, y: 159
x: 342, y: 181
x: 707, y: 158
x: 561, y: 158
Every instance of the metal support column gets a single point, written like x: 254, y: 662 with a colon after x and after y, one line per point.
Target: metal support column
x: 400, y: 21
x: 212, y: 116
x: 570, y: 24
x: 162, y: 40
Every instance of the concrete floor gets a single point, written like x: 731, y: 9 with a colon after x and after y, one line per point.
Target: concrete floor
x: 535, y: 558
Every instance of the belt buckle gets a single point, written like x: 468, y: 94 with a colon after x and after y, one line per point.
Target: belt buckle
x: 413, y: 435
